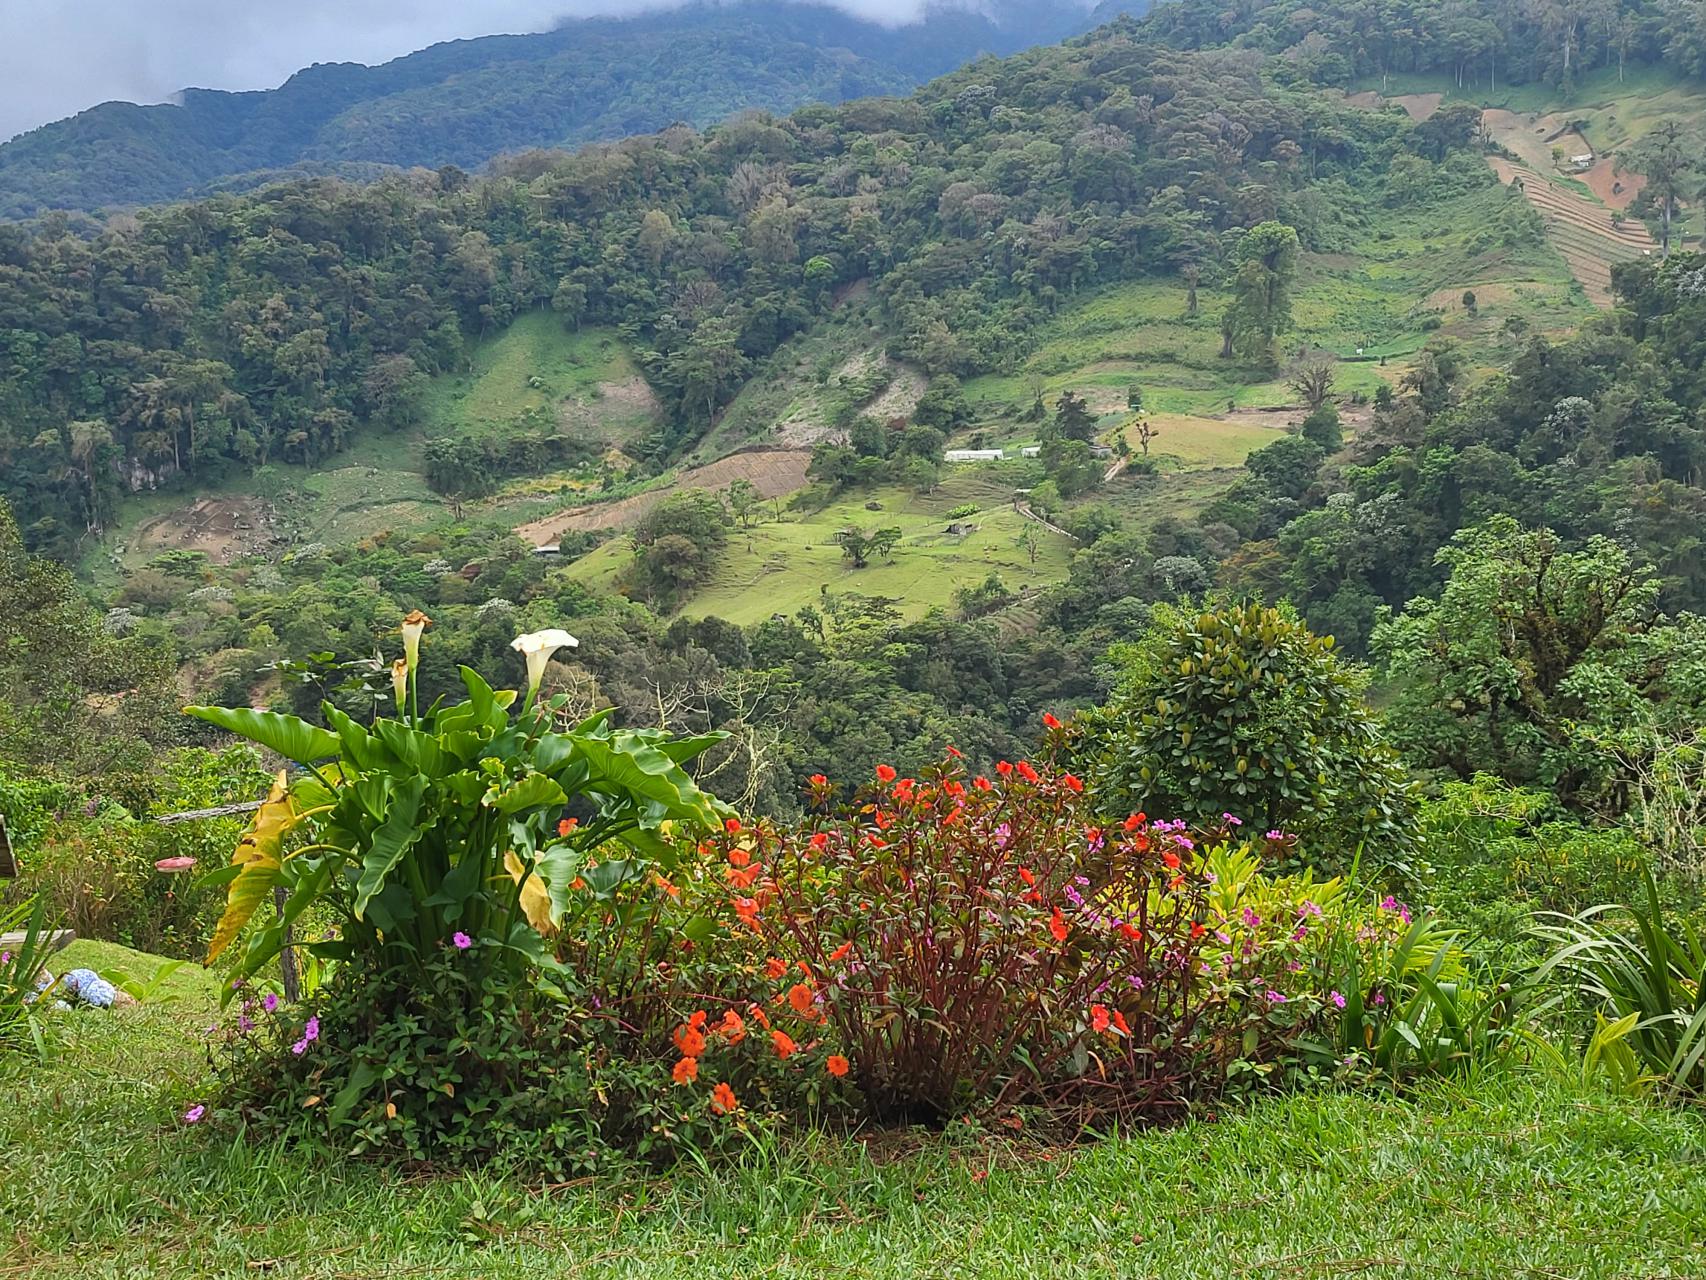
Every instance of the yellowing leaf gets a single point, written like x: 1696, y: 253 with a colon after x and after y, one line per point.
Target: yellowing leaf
x: 535, y: 900
x: 259, y: 854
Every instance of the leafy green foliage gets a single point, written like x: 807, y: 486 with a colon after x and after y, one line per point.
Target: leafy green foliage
x: 1243, y: 711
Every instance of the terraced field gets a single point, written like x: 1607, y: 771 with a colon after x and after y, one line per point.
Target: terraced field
x: 1582, y: 230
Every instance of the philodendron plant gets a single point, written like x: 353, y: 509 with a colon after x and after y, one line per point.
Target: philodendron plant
x: 447, y: 826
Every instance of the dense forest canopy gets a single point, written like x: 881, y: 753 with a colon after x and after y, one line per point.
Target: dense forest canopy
x: 191, y: 339
x: 467, y: 101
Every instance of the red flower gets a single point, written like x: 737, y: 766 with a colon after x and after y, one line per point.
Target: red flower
x: 877, y: 842
x: 955, y: 752
x: 723, y: 1099
x: 954, y: 788
x: 747, y: 910
x: 1050, y: 721
x: 1098, y: 1018
x: 1197, y: 931
x: 739, y: 857
x: 1057, y: 926
x: 1026, y: 772
x: 1027, y: 877
x: 686, y: 1071
x: 820, y: 841
x: 743, y: 879
x: 690, y: 1040
x: 836, y: 1065
x: 1071, y: 782
x: 1131, y: 931
x: 904, y: 787
x: 731, y: 825
x: 1120, y: 1022
x: 886, y: 773
x: 818, y: 780
x: 784, y: 1043
x: 981, y: 783
x: 1003, y: 768
x: 567, y: 825
x: 1171, y: 859
x: 774, y: 968
x: 1135, y: 821
x: 841, y: 952
x: 697, y: 1020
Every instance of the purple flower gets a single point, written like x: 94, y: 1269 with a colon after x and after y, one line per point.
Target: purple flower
x: 1223, y: 937
x: 1081, y: 880
x: 1274, y: 997
x: 1308, y: 909
x: 461, y: 940
x: 1231, y: 821
x: 194, y: 1114
x: 1073, y: 896
x: 311, y: 1029
x: 1336, y: 1000
x: 1001, y: 835
x: 269, y: 1002
x: 1379, y: 998
x: 299, y: 1048
x: 1300, y: 933
x: 1251, y: 919
x: 244, y: 1025
x: 1275, y: 834
x: 5, y: 957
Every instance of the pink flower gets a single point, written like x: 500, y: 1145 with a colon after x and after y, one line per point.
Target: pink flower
x: 171, y: 865
x: 269, y: 1002
x: 194, y: 1114
x: 1336, y: 1000
x: 1274, y: 997
x: 461, y: 940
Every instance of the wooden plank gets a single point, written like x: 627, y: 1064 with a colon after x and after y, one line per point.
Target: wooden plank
x: 218, y: 811
x: 57, y: 940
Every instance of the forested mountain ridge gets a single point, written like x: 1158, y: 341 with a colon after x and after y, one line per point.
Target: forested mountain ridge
x: 220, y: 334
x: 464, y: 102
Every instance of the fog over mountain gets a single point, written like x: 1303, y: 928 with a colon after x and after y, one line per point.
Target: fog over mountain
x: 59, y: 57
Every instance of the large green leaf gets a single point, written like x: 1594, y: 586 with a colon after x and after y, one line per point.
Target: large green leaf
x: 531, y: 792
x: 391, y: 841
x: 292, y: 738
x: 412, y: 747
x: 627, y: 765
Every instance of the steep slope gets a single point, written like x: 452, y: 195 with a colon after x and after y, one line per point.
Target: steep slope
x: 463, y: 102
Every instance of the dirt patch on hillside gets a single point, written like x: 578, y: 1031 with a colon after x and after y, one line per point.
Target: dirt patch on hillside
x: 612, y: 410
x: 1419, y: 106
x: 805, y: 424
x: 774, y: 472
x: 1618, y: 190
x: 224, y: 529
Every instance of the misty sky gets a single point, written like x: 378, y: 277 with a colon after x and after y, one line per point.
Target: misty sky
x: 59, y: 56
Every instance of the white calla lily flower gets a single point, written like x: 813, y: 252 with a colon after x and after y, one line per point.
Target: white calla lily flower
x: 537, y: 647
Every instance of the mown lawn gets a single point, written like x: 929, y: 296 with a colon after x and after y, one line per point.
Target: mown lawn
x: 1509, y: 1175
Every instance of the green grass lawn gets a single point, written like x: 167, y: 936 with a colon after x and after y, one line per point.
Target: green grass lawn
x: 782, y: 565
x: 1508, y: 1175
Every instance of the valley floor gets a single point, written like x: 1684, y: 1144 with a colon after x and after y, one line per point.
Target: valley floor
x: 1508, y: 1175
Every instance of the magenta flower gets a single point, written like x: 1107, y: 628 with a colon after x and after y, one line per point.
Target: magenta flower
x: 461, y: 940
x: 194, y: 1114
x: 1231, y: 821
x: 269, y: 1002
x: 1275, y: 997
x: 311, y: 1030
x: 1337, y: 1000
x: 1251, y: 919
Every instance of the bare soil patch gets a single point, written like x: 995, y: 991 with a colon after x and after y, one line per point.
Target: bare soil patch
x: 224, y: 529
x: 774, y: 472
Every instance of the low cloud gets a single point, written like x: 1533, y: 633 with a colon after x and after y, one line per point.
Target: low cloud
x: 58, y: 57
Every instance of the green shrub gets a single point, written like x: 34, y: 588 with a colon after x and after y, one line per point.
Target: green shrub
x: 1243, y: 711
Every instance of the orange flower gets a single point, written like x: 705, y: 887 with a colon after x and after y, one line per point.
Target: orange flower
x: 1003, y: 768
x: 774, y: 968
x: 731, y: 825
x: 1071, y: 782
x: 742, y: 879
x: 886, y: 773
x: 836, y: 1065
x: 953, y: 787
x: 1131, y: 931
x: 733, y: 1027
x: 820, y: 841
x: 981, y: 783
x: 1026, y: 772
x: 1099, y: 1018
x: 840, y: 953
x: 1050, y: 721
x: 1027, y: 877
x: 1057, y: 926
x: 800, y: 998
x: 747, y: 910
x: 1171, y: 859
x: 877, y: 842
x: 818, y: 780
x: 686, y: 1071
x: 955, y: 752
x: 1120, y: 1022
x: 690, y: 1040
x: 1135, y: 821
x: 759, y: 1016
x: 667, y: 887
x: 723, y: 1099
x: 697, y: 1019
x: 739, y: 857
x: 567, y: 825
x: 784, y: 1043
x: 905, y: 786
